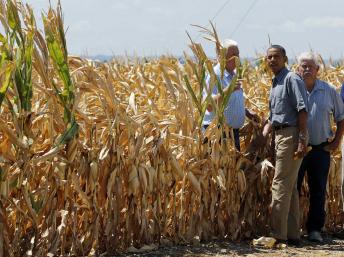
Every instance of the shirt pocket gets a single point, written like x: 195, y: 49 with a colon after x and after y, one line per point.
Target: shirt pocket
x: 323, y: 107
x: 279, y: 105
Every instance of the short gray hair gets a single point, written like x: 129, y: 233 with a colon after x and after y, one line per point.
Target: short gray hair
x: 308, y: 56
x: 227, y: 43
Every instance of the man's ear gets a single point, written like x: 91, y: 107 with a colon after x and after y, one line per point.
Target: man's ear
x: 286, y: 59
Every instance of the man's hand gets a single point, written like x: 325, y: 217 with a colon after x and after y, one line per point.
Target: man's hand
x: 262, y: 137
x: 252, y: 115
x: 236, y: 87
x: 218, y: 97
x: 301, y: 149
x: 260, y: 141
x: 332, y: 146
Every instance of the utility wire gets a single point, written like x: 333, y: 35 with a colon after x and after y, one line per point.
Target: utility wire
x: 244, y: 17
x: 219, y: 10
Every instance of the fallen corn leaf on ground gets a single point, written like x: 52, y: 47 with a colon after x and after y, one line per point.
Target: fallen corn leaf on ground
x: 331, y: 247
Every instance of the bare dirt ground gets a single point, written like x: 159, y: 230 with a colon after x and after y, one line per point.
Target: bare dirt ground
x: 332, y: 246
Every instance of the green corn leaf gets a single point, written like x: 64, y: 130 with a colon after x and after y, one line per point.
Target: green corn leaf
x: 219, y: 86
x: 228, y: 94
x: 13, y: 16
x: 66, y: 95
x: 61, y: 65
x: 5, y: 77
x: 239, y: 68
x: 35, y: 203
x: 192, y: 93
x: 56, y: 47
x: 19, y: 81
x: 205, y: 106
x: 202, y: 81
x: 14, y: 22
x: 70, y: 132
x: 3, y: 39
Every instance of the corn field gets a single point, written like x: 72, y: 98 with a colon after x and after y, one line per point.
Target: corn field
x: 104, y: 157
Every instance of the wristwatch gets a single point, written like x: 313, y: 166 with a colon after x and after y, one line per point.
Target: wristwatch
x: 302, y: 136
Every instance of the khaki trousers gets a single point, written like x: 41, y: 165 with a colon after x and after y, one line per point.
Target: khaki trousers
x: 285, y: 216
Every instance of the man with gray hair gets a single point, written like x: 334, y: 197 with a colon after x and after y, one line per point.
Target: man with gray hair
x: 323, y: 101
x: 235, y: 111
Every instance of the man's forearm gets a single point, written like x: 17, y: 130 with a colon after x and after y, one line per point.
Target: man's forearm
x: 267, y: 128
x: 339, y: 131
x: 302, y: 122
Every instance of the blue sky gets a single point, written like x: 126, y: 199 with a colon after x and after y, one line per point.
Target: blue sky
x: 154, y: 27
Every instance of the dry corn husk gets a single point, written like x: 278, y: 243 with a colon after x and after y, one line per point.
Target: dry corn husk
x: 267, y: 242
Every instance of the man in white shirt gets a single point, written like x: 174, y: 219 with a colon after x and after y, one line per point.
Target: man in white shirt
x: 235, y: 111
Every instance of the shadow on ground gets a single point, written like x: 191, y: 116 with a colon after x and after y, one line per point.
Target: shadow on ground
x: 332, y: 246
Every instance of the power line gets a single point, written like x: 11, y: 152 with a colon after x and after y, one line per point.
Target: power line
x: 244, y: 17
x: 219, y: 10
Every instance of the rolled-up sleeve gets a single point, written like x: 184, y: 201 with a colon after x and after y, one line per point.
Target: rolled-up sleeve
x: 298, y: 94
x: 338, y: 106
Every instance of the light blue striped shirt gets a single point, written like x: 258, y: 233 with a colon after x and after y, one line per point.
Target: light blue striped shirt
x: 235, y: 110
x: 323, y: 101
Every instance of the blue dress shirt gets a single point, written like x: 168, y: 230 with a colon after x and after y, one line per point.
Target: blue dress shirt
x: 323, y: 102
x: 234, y: 113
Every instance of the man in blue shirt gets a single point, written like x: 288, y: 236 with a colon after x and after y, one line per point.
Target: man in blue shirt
x: 235, y: 111
x: 323, y: 102
x: 288, y: 120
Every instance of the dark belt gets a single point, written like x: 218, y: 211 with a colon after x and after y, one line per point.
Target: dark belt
x: 319, y: 146
x: 278, y: 127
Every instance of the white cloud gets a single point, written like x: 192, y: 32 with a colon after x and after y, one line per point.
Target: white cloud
x: 290, y: 26
x: 324, y: 22
x: 301, y: 25
x: 255, y: 26
x: 80, y: 26
x: 159, y: 11
x: 120, y: 6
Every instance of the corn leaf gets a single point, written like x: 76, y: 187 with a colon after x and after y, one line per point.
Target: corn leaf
x: 5, y: 78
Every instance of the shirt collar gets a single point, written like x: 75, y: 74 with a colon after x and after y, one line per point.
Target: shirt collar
x: 318, y: 86
x: 229, y: 74
x: 280, y: 75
